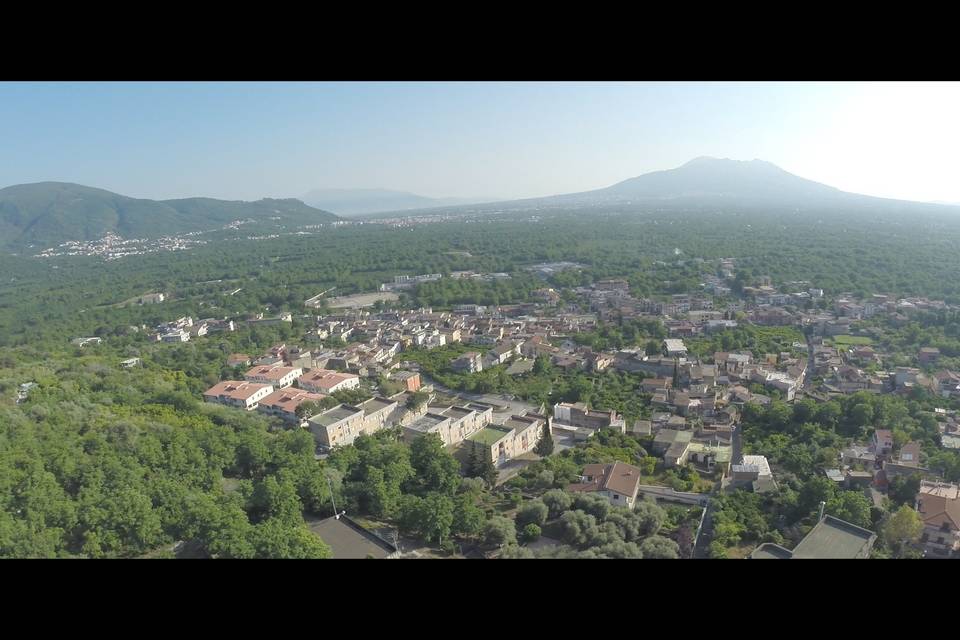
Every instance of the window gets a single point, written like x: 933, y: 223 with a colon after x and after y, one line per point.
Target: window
x: 616, y: 497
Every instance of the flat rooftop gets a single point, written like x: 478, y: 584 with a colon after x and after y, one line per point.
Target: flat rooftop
x: 427, y: 422
x: 835, y: 538
x: 335, y: 414
x: 489, y: 434
x: 349, y: 541
x: 376, y: 404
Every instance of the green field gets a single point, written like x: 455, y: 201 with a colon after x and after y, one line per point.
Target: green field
x: 851, y: 340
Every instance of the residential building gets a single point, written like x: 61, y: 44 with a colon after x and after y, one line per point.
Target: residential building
x: 278, y: 376
x: 340, y: 425
x: 618, y: 482
x: 470, y: 362
x: 453, y: 424
x: 939, y: 507
x: 238, y: 360
x: 674, y: 348
x: 567, y: 416
x: 235, y: 393
x: 409, y: 379
x: 327, y: 381
x: 882, y: 442
x: 283, y: 403
x: 503, y: 442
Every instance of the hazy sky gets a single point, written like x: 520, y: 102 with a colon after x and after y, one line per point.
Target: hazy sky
x: 510, y: 140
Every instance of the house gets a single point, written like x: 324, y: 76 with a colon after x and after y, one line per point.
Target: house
x: 831, y: 538
x: 673, y: 445
x: 340, y: 425
x: 938, y: 505
x: 180, y: 335
x: 928, y: 355
x: 567, y: 416
x: 238, y: 360
x: 502, y: 352
x: 753, y: 472
x: 327, y: 382
x: 235, y: 393
x: 409, y: 379
x: 503, y: 442
x: 130, y: 363
x: 278, y: 376
x: 453, y: 424
x: 152, y: 298
x: 674, y: 348
x: 82, y: 342
x: 617, y: 482
x: 470, y: 362
x: 882, y: 442
x: 859, y: 455
x: 283, y: 403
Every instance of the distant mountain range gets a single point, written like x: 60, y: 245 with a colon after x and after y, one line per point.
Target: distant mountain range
x: 352, y: 202
x: 720, y: 182
x: 48, y: 213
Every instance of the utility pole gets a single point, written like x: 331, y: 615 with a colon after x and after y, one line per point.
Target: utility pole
x: 335, y: 514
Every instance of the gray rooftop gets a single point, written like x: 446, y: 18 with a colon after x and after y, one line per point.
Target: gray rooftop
x: 427, y: 422
x: 835, y: 538
x: 349, y: 541
x: 335, y: 414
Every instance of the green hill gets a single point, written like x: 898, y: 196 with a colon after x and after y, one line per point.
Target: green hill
x: 45, y: 214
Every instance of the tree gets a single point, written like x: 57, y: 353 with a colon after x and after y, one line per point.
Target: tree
x: 436, y: 517
x: 542, y: 366
x: 500, y: 531
x: 545, y: 446
x: 534, y: 511
x: 902, y: 527
x: 557, y: 501
x: 417, y: 399
x: 530, y: 533
x: 658, y: 547
x: 904, y: 490
x: 479, y: 465
x: 468, y: 518
x: 852, y: 506
x: 437, y: 469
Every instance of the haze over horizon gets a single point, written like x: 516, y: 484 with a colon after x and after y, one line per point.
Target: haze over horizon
x: 246, y: 141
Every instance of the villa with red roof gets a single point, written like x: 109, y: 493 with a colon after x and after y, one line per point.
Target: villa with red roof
x: 283, y: 403
x: 274, y: 374
x: 327, y: 381
x: 618, y: 482
x: 236, y: 393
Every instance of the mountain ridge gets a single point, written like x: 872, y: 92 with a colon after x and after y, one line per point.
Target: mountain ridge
x: 353, y: 202
x: 49, y: 213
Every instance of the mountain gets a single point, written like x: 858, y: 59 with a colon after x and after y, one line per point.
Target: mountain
x: 723, y: 184
x: 48, y: 213
x: 351, y: 202
x: 722, y: 178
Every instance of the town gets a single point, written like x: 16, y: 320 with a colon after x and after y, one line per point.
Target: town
x: 459, y: 374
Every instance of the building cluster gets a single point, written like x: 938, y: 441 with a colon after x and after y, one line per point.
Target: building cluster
x: 182, y: 329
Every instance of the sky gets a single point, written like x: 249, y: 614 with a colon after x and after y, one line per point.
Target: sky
x: 245, y: 141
